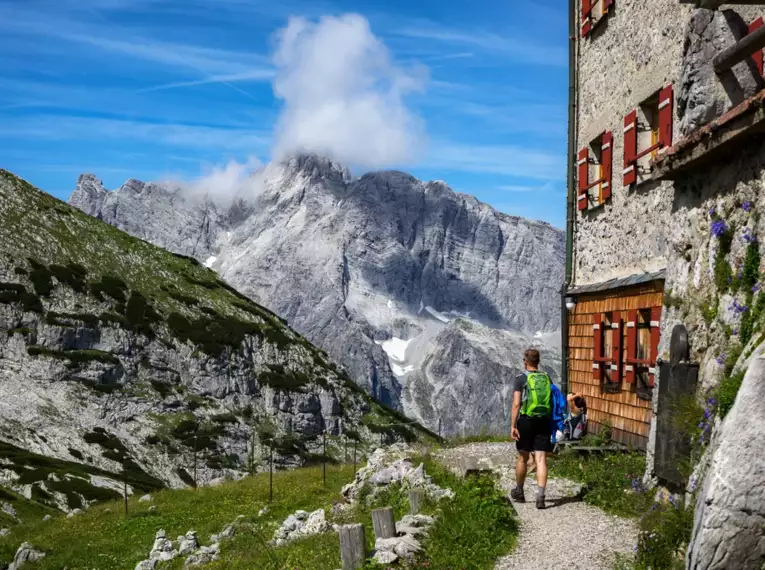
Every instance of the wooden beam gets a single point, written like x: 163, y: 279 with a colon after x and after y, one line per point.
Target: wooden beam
x: 738, y: 52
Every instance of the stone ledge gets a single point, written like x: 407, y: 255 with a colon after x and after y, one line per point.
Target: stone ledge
x: 724, y: 135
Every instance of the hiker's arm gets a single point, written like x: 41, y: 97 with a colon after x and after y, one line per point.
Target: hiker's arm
x: 515, y: 411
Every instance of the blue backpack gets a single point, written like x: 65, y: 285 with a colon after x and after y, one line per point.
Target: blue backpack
x: 558, y: 416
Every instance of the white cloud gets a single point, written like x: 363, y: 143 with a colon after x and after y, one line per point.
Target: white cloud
x: 343, y: 95
x: 222, y: 184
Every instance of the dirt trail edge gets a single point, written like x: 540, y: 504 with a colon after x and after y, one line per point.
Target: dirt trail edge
x: 568, y: 534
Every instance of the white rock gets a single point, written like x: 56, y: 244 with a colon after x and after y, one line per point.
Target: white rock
x: 145, y: 499
x: 188, y: 543
x: 385, y: 557
x: 146, y: 565
x: 47, y: 518
x: 25, y: 553
x: 5, y: 531
x: 8, y: 509
x: 204, y: 555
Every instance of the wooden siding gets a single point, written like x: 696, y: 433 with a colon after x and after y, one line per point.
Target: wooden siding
x: 629, y: 416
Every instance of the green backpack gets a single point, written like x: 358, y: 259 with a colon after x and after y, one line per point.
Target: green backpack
x: 538, y: 395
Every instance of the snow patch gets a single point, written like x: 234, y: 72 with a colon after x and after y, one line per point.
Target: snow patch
x: 436, y: 314
x: 210, y: 260
x: 395, y: 348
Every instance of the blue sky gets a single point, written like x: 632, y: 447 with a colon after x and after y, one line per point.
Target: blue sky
x: 475, y: 91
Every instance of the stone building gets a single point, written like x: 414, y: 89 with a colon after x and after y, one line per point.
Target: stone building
x: 666, y: 170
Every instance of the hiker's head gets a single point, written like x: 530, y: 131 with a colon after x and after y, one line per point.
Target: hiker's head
x: 580, y: 403
x: 531, y: 359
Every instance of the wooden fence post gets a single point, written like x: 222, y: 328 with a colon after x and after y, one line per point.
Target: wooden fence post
x: 383, y: 523
x: 352, y: 546
x: 416, y: 498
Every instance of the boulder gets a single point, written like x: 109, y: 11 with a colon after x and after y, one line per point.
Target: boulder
x: 145, y: 499
x: 8, y: 509
x: 5, y: 531
x: 25, y: 553
x: 730, y: 509
x: 47, y: 518
x: 146, y: 565
x: 204, y: 555
x: 188, y: 543
x: 162, y: 549
x: 301, y: 524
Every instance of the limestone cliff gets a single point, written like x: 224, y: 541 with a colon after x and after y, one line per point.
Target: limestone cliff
x: 366, y: 268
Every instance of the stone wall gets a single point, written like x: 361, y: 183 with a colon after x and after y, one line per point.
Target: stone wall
x: 640, y: 47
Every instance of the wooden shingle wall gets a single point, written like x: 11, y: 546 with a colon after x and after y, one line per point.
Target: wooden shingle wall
x: 629, y: 416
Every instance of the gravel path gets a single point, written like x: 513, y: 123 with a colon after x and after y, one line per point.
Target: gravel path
x: 568, y: 535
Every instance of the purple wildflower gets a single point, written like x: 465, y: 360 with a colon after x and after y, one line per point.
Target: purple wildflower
x: 720, y: 359
x: 712, y: 402
x: 747, y: 206
x: 719, y: 227
x: 755, y: 287
x: 707, y: 414
x: 702, y: 425
x: 735, y: 332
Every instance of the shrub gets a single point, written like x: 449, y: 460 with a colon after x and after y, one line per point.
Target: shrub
x: 162, y: 388
x: 41, y: 278
x: 665, y: 530
x: 185, y: 299
x: 212, y: 334
x: 225, y: 418
x: 140, y: 315
x: 20, y: 271
x: 72, y: 275
x: 76, y: 453
x: 727, y: 391
x: 109, y: 285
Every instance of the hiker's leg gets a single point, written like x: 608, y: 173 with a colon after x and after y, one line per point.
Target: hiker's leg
x: 520, y: 468
x: 541, y: 457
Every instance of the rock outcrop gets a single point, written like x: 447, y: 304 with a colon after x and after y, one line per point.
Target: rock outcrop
x: 730, y: 512
x: 366, y: 268
x: 25, y: 553
x: 300, y: 525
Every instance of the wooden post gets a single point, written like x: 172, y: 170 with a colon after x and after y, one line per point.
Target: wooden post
x: 195, y: 463
x: 271, y: 473
x: 352, y: 546
x: 355, y: 445
x: 416, y: 498
x: 324, y: 457
x: 383, y: 523
x: 738, y: 52
x: 439, y: 427
x: 124, y: 484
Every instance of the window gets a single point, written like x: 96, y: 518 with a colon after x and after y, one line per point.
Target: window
x: 607, y: 350
x: 593, y: 12
x: 643, y: 330
x: 646, y: 132
x: 595, y: 163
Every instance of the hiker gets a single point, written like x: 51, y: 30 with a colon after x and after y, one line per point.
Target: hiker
x: 557, y: 423
x: 576, y: 422
x: 532, y: 425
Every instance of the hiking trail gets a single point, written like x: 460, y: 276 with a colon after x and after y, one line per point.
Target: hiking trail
x: 567, y: 534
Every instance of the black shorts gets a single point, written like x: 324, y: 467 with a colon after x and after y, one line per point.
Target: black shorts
x: 535, y: 434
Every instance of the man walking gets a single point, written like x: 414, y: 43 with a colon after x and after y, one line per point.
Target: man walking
x: 531, y: 424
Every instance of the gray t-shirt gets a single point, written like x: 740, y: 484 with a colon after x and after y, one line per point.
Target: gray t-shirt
x: 519, y: 383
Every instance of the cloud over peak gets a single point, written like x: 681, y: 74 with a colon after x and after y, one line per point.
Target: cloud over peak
x: 343, y: 95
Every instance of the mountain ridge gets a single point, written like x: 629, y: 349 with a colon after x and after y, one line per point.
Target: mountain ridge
x: 352, y: 263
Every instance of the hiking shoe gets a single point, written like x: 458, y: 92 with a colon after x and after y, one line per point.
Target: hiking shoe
x: 541, y: 503
x: 517, y: 495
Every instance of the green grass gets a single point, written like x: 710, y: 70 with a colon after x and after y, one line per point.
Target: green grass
x: 469, y: 533
x: 611, y: 481
x: 26, y: 510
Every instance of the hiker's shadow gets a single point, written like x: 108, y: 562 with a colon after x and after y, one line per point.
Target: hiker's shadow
x: 552, y: 503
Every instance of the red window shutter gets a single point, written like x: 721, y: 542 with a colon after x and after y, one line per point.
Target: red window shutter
x: 606, y: 159
x: 616, y: 355
x: 631, y: 324
x: 597, y: 346
x: 606, y: 5
x: 630, y: 148
x: 757, y: 56
x: 655, y: 335
x: 586, y: 22
x: 584, y: 178
x: 666, y: 100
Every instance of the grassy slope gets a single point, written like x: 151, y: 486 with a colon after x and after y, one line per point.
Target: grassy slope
x: 470, y: 532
